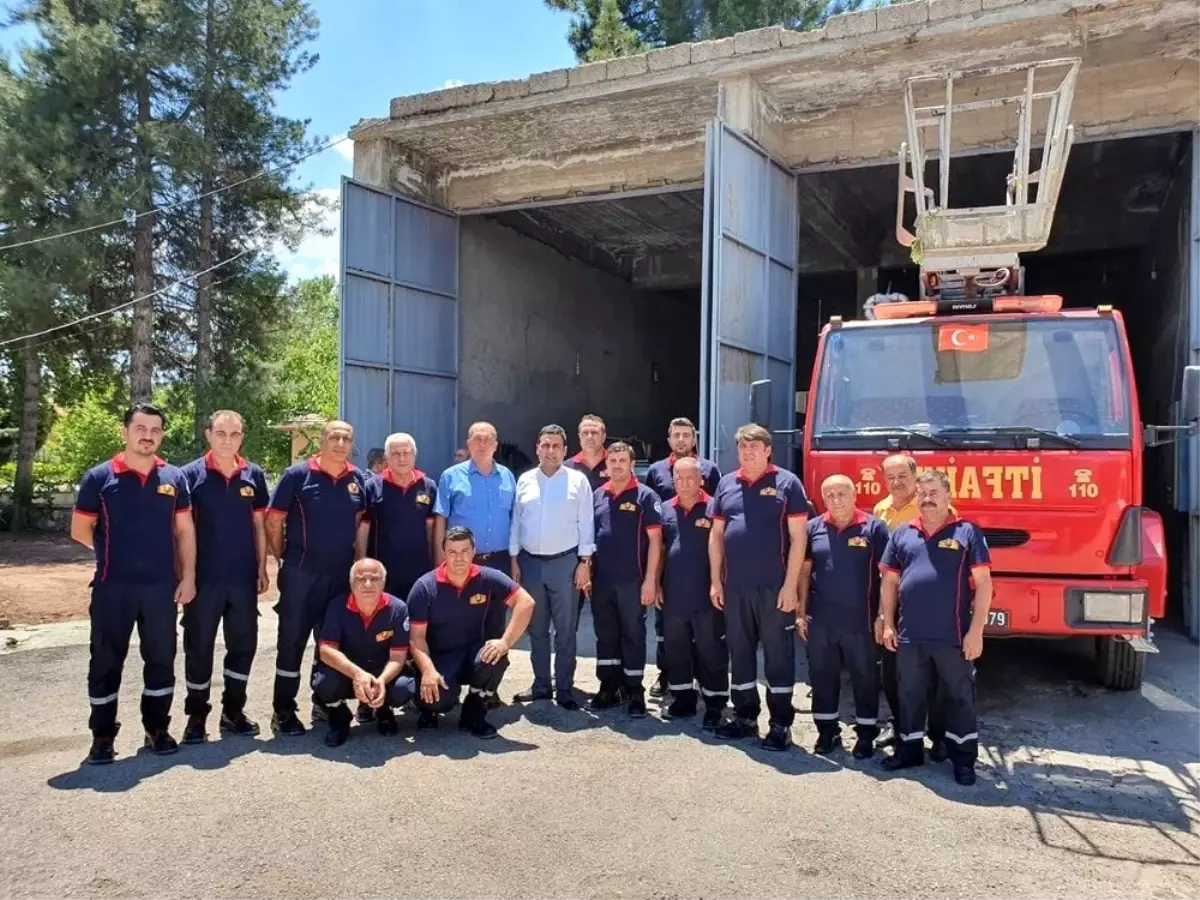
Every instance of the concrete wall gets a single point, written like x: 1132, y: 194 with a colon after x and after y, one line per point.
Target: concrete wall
x: 545, y: 339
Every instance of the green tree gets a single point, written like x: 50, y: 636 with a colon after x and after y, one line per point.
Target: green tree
x: 611, y: 37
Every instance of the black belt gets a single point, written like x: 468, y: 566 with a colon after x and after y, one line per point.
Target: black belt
x: 573, y: 551
x: 490, y: 554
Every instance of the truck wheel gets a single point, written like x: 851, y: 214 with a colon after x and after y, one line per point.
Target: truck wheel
x: 1118, y: 665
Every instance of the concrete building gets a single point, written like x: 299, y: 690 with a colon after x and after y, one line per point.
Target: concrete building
x: 643, y: 237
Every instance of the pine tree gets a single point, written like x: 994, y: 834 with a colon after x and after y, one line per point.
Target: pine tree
x: 611, y: 37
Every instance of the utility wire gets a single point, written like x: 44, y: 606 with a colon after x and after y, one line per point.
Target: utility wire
x: 186, y: 201
x: 121, y: 306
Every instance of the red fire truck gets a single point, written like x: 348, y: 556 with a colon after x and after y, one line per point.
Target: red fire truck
x: 1029, y: 407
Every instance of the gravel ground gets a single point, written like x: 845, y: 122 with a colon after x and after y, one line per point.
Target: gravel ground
x: 1083, y: 793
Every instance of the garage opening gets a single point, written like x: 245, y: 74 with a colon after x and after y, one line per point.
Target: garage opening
x: 1120, y: 237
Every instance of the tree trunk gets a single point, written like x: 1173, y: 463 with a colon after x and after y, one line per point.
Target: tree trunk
x: 205, y: 256
x: 31, y: 403
x: 141, y: 344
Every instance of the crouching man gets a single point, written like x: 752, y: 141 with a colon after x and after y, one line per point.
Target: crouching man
x: 449, y: 609
x: 363, y: 647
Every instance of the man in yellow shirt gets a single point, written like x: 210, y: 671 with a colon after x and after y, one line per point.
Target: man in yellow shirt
x: 894, y: 510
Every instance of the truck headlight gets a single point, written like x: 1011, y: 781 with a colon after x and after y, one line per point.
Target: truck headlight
x: 1110, y: 608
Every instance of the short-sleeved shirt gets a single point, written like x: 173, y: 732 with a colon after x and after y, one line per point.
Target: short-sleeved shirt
x: 624, y: 521
x: 322, y: 513
x: 685, y: 543
x: 456, y: 617
x: 844, y: 587
x: 756, y: 517
x: 369, y: 640
x: 936, y: 587
x: 482, y: 503
x: 135, y: 514
x: 660, y: 477
x: 223, y: 510
x: 399, y: 517
x: 596, y: 476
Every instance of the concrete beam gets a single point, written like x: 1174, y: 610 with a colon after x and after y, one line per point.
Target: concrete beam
x: 383, y: 164
x: 744, y: 104
x: 668, y: 271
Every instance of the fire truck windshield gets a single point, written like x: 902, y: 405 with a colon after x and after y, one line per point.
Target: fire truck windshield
x: 973, y: 383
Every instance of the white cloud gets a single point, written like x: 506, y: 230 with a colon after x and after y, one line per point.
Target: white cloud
x: 318, y: 253
x: 452, y: 83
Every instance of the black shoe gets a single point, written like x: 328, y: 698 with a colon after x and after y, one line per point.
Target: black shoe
x: 532, y: 694
x: 964, y: 774
x: 319, y: 713
x: 681, y: 709
x: 863, y: 749
x: 335, y: 737
x: 778, y: 738
x: 427, y: 719
x: 658, y: 690
x: 827, y: 742
x: 364, y: 714
x: 237, y: 723
x: 493, y: 702
x: 478, y: 726
x: 737, y: 729
x: 385, y: 720
x: 712, y: 720
x: 567, y: 702
x: 605, y: 699
x: 637, y: 706
x: 888, y: 740
x: 938, y: 751
x: 102, y: 752
x: 194, y: 733
x: 287, y: 724
x: 161, y: 742
x: 898, y: 759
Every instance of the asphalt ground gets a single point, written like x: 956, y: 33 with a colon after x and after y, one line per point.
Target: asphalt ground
x: 1082, y: 793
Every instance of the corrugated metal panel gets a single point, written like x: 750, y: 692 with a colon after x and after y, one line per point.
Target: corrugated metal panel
x: 749, y: 307
x: 399, y: 322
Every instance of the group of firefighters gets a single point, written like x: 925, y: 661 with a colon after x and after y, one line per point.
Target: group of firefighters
x: 414, y: 588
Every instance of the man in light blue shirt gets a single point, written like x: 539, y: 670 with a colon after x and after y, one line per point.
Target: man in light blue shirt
x: 551, y: 544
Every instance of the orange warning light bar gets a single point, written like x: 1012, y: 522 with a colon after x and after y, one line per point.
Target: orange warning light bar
x: 1045, y: 304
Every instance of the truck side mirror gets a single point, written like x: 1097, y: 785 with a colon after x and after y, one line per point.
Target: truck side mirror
x: 1189, y: 405
x: 760, y: 402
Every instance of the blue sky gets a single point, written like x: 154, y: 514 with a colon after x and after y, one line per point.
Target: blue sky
x: 373, y: 50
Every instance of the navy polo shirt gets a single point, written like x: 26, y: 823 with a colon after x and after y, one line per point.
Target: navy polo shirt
x: 685, y: 543
x: 322, y: 516
x: 135, y: 514
x: 623, y: 524
x: 660, y: 477
x: 223, y: 510
x: 455, y: 617
x: 756, y: 531
x: 844, y: 590
x: 597, y: 476
x: 368, y: 641
x: 936, y: 588
x: 399, y: 517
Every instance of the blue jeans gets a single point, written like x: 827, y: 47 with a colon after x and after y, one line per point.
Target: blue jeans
x: 551, y: 583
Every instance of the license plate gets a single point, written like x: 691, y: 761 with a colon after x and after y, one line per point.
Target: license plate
x: 997, y: 618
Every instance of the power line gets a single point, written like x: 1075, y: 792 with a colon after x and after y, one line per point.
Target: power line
x: 189, y: 200
x: 121, y: 306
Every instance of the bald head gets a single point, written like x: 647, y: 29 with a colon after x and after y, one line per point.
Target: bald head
x: 337, y: 440
x: 838, y: 493
x: 367, y: 579
x: 688, y: 479
x: 900, y: 471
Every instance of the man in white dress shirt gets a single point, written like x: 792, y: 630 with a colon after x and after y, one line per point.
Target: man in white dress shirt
x: 551, y: 543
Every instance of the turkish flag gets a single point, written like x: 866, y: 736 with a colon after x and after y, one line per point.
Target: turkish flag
x: 964, y: 338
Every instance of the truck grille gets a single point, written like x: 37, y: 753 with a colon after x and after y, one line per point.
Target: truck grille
x: 1005, y: 537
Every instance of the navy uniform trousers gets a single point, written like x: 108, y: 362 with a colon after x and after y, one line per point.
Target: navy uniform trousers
x: 457, y: 668
x: 333, y: 689
x: 620, y: 622
x: 751, y: 616
x: 114, y: 611
x: 936, y: 726
x: 694, y: 649
x: 235, y: 607
x: 830, y: 650
x: 303, y: 598
x: 919, y: 666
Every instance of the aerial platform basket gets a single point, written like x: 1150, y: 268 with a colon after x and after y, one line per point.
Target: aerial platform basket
x: 981, y: 244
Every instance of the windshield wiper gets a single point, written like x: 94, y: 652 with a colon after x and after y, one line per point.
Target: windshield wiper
x: 1015, y: 431
x: 883, y: 431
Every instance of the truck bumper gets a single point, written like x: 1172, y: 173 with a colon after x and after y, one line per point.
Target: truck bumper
x: 1056, y: 607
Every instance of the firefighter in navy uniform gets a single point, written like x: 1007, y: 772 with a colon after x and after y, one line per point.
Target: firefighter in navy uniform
x: 449, y: 613
x: 363, y: 646
x: 930, y: 568
x: 756, y: 553
x: 839, y: 600
x: 694, y: 630
x: 134, y: 511
x: 624, y: 580
x: 322, y: 501
x: 681, y: 437
x: 229, y: 497
x: 592, y: 458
